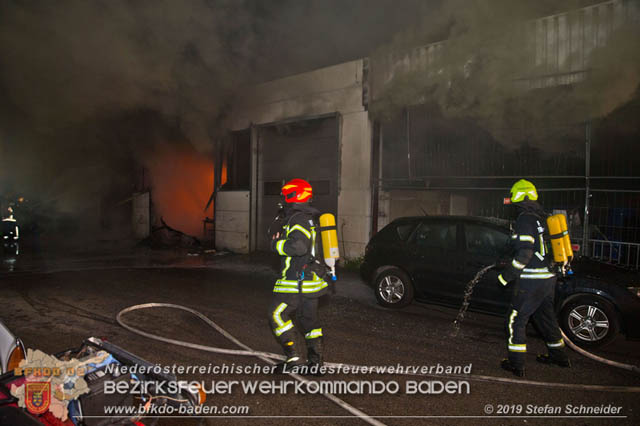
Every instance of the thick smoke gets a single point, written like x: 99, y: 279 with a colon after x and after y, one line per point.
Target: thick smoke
x: 67, y: 61
x: 90, y: 90
x: 486, y: 67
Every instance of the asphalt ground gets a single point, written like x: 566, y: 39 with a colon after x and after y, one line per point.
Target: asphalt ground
x: 55, y: 304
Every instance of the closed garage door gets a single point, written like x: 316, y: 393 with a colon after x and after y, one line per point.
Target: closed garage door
x: 305, y: 149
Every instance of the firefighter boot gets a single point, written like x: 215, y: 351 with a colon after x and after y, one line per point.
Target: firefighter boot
x: 506, y: 364
x: 557, y: 357
x: 292, y: 361
x: 315, y: 363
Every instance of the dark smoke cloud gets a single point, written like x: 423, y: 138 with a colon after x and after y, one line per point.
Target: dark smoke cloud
x: 77, y: 77
x: 65, y: 61
x: 88, y: 86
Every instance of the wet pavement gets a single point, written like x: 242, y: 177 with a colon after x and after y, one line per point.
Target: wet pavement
x: 54, y: 303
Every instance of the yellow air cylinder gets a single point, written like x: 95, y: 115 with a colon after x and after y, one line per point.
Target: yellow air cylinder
x: 566, y: 238
x: 329, y: 236
x: 554, y: 223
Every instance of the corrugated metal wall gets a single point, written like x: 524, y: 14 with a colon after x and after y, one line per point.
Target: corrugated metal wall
x: 558, y: 48
x: 384, y: 69
x: 561, y: 44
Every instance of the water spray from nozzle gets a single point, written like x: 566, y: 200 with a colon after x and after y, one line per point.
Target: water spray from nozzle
x: 468, y: 291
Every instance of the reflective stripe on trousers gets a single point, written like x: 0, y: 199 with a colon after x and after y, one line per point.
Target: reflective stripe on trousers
x: 313, y: 334
x: 282, y: 326
x: 514, y: 347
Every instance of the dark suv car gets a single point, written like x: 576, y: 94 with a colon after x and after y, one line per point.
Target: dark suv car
x: 432, y: 258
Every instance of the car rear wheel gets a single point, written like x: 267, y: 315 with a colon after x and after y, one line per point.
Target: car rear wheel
x: 393, y: 288
x: 590, y: 321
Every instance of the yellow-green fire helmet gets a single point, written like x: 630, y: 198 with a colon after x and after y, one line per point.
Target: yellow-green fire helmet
x: 523, y: 189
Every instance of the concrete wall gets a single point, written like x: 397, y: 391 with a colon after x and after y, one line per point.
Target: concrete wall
x: 337, y: 88
x: 399, y: 202
x: 330, y: 90
x: 232, y: 221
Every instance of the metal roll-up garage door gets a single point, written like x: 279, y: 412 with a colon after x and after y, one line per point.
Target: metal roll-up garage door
x: 305, y: 149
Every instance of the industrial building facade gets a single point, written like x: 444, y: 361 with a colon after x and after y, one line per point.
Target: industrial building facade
x: 314, y: 126
x: 369, y: 170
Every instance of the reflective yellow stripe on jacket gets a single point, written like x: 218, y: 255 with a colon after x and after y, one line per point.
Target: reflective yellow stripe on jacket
x: 283, y: 285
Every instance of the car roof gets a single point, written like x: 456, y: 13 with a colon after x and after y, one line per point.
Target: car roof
x: 504, y: 223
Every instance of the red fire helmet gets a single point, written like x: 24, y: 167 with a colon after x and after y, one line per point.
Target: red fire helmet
x: 297, y: 191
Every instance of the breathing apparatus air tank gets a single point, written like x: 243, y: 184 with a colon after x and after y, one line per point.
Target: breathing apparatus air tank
x: 560, y: 240
x: 329, y: 234
x: 566, y: 238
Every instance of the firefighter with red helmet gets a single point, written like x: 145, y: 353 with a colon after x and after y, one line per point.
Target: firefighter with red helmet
x: 534, y: 283
x: 298, y: 288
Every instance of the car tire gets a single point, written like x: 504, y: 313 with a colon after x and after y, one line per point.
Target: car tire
x: 590, y: 321
x: 393, y: 288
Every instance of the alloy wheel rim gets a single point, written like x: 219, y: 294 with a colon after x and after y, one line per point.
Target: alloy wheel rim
x: 391, y: 289
x: 588, y: 323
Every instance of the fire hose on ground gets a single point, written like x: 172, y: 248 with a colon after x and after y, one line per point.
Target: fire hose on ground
x: 269, y: 358
x: 465, y: 305
x: 597, y: 358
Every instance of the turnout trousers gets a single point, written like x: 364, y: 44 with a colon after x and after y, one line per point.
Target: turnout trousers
x: 533, y: 299
x: 281, y: 314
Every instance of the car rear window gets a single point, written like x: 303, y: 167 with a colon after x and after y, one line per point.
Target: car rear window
x: 395, y: 231
x: 485, y: 240
x: 438, y: 235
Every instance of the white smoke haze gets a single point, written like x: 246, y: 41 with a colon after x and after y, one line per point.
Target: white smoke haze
x: 485, y: 62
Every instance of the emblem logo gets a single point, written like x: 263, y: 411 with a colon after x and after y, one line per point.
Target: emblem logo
x: 37, y: 396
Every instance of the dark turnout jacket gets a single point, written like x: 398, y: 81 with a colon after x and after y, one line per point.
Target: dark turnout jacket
x: 531, y: 259
x: 296, y: 246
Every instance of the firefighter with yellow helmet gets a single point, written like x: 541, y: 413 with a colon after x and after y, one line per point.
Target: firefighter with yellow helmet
x: 534, y: 283
x: 298, y: 287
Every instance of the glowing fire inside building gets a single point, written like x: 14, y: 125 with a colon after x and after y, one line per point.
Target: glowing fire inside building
x: 182, y: 181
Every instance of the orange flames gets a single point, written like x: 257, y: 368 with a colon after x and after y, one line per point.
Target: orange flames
x: 223, y: 173
x: 182, y: 182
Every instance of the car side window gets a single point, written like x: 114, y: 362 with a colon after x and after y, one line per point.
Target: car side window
x: 436, y: 235
x: 484, y: 240
x: 404, y: 230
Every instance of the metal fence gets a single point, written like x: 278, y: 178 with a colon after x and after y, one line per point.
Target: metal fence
x: 616, y: 252
x: 586, y: 170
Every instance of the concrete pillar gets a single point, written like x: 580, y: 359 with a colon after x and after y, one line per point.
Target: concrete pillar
x: 354, y: 198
